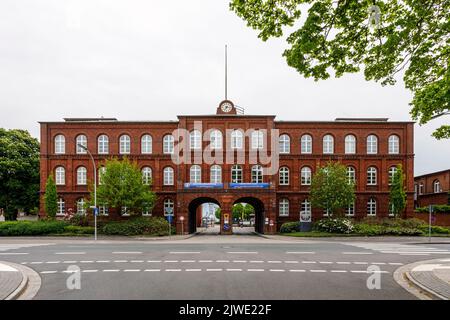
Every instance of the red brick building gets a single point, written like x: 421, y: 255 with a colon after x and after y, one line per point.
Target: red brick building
x: 432, y: 188
x: 370, y: 148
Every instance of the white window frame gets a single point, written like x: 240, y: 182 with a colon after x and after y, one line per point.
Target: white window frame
x: 168, y: 144
x: 236, y: 174
x: 328, y: 144
x: 372, y: 207
x: 146, y: 175
x: 60, y: 176
x: 306, y: 144
x: 237, y: 138
x: 436, y: 186
x: 394, y: 144
x: 81, y: 139
x: 195, y: 174
x: 146, y: 144
x: 195, y: 140
x: 391, y: 173
x: 257, y: 174
x: 81, y: 176
x: 350, y: 210
x: 257, y: 140
x: 283, y: 176
x: 81, y: 206
x: 372, y: 144
x: 168, y: 174
x: 372, y: 176
x: 103, y: 210
x: 350, y: 144
x: 216, y: 139
x: 285, y: 144
x: 124, y: 144
x: 60, y: 144
x: 216, y: 174
x: 283, y: 207
x: 103, y: 144
x: 305, y: 206
x: 61, y: 207
x: 305, y: 176
x: 168, y: 203
x: 351, y: 174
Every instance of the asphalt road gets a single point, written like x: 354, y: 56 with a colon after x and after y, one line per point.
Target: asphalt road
x: 219, y: 267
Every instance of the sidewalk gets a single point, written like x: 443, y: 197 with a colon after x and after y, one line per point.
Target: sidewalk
x: 10, y: 280
x: 18, y: 282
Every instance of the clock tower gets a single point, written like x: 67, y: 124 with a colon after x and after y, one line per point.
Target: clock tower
x: 226, y: 107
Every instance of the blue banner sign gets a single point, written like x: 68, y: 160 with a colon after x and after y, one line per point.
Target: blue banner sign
x: 249, y: 185
x: 203, y: 185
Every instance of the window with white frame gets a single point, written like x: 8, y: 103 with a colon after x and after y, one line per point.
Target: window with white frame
x: 326, y: 212
x: 237, y: 139
x: 81, y: 176
x: 168, y: 176
x: 372, y: 144
x: 371, y: 207
x: 124, y: 211
x: 60, y: 144
x: 195, y: 140
x: 306, y: 144
x: 421, y: 188
x: 328, y: 144
x: 392, y: 172
x: 394, y: 144
x: 391, y: 210
x: 371, y: 176
x: 146, y: 144
x: 146, y: 175
x: 350, y: 210
x: 284, y: 208
x: 81, y: 140
x: 216, y: 174
x: 103, y: 210
x: 215, y: 138
x: 101, y: 173
x: 306, y: 206
x: 257, y: 174
x: 284, y: 176
x: 61, y: 207
x: 168, y: 144
x: 351, y: 174
x: 195, y: 174
x: 306, y: 175
x: 81, y: 206
x: 60, y: 176
x: 146, y: 210
x: 437, y: 186
x: 285, y: 144
x: 236, y: 174
x: 350, y: 144
x: 257, y: 139
x: 168, y: 206
x: 103, y: 144
x: 124, y: 144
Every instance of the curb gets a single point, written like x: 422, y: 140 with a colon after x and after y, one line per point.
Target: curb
x: 422, y: 287
x: 30, y: 285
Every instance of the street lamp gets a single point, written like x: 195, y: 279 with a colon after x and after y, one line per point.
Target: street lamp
x: 95, y: 189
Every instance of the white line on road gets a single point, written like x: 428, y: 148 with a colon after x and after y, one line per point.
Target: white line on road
x: 357, y: 252
x: 318, y: 270
x: 173, y: 270
x: 338, y: 271
x: 234, y: 270
x: 395, y: 263
x: 188, y: 261
x: 273, y: 261
x: 360, y: 262
x: 89, y: 271
x: 242, y: 252
x: 378, y: 263
x: 239, y: 261
x: 255, y: 270
x: 71, y: 252
x: 308, y: 262
x: 291, y: 262
x: 170, y: 261
x: 152, y: 270
x: 111, y: 270
x: 52, y: 262
x: 13, y: 253
x: 343, y: 262
x: 193, y: 270
x: 86, y: 261
x: 184, y: 252
x: 137, y: 261
x: 132, y: 270
x: 36, y: 262
x: 48, y: 272
x: 154, y: 261
x: 297, y: 270
x: 214, y: 270
x: 71, y: 261
x: 205, y: 261
x: 102, y: 261
x: 127, y: 252
x: 300, y: 252
x: 277, y: 270
x: 256, y: 261
x: 325, y: 262
x: 223, y: 261
x: 120, y: 261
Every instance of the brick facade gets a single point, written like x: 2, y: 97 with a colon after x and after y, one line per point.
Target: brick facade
x: 266, y: 201
x: 426, y: 192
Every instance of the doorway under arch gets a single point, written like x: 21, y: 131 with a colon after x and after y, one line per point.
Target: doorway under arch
x: 195, y: 205
x: 258, y: 205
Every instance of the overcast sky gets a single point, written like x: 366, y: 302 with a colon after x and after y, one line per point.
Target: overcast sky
x: 153, y: 60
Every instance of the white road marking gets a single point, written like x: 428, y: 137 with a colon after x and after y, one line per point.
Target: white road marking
x: 170, y: 261
x: 214, y: 270
x: 36, y: 262
x: 357, y: 252
x: 242, y: 252
x: 154, y: 261
x: 188, y: 261
x: 256, y: 261
x: 277, y: 270
x: 240, y: 261
x: 6, y: 268
x: 24, y: 263
x: 234, y: 270
x: 71, y: 261
x: 318, y: 270
x: 360, y: 262
x: 414, y: 254
x: 13, y: 253
x: 89, y: 271
x: 223, y: 261
x: 137, y: 261
x: 325, y: 262
x: 173, y: 270
x: 102, y: 261
x: 86, y: 261
x: 127, y: 252
x: 395, y: 263
x: 426, y: 267
x: 255, y: 270
x: 378, y: 263
x: 338, y: 271
x: 48, y: 272
x: 120, y: 261
x: 111, y: 270
x: 300, y: 252
x: 205, y: 261
x: 71, y: 252
x: 152, y: 270
x: 132, y: 270
x: 309, y: 262
x: 52, y: 262
x: 297, y: 270
x: 273, y: 261
x: 291, y: 262
x: 184, y: 252
x: 193, y: 270
x: 343, y: 262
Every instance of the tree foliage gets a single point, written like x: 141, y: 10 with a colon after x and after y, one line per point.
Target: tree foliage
x: 332, y: 189
x: 237, y: 211
x: 382, y: 37
x: 51, y: 198
x: 19, y: 172
x: 397, y: 195
x: 122, y: 186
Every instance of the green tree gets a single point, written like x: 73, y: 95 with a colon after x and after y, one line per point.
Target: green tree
x: 331, y: 189
x: 218, y: 213
x: 237, y: 210
x: 248, y: 210
x: 122, y: 186
x: 51, y: 198
x: 397, y: 195
x: 19, y: 172
x: 384, y: 38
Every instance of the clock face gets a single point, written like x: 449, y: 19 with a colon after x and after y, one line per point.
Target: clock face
x: 226, y: 107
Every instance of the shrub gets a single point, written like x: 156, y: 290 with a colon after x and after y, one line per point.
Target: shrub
x: 31, y: 228
x: 289, y: 227
x: 435, y: 229
x: 335, y: 225
x: 79, y: 220
x: 79, y: 230
x: 136, y: 226
x: 444, y: 208
x: 369, y: 229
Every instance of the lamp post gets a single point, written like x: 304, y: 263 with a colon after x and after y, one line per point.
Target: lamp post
x: 95, y: 189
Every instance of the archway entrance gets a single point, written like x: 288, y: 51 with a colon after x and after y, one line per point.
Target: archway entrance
x: 200, y: 212
x: 256, y: 218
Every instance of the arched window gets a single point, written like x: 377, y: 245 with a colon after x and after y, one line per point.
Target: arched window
x: 61, y: 207
x: 168, y: 176
x: 306, y: 144
x: 81, y: 142
x: 124, y: 144
x: 284, y: 176
x: 81, y: 206
x: 306, y: 206
x: 437, y: 186
x: 284, y: 208
x: 101, y: 173
x: 392, y: 172
x: 257, y: 174
x: 285, y: 144
x: 328, y: 144
x: 237, y: 139
x: 216, y: 139
x: 372, y: 144
x: 81, y: 176
x: 257, y: 139
x: 350, y: 210
x: 371, y: 207
x: 394, y: 144
x: 195, y: 140
x: 305, y: 173
x: 168, y: 207
x: 236, y: 174
x: 146, y: 175
x: 103, y: 144
x: 216, y: 174
x: 168, y: 144
x: 351, y: 174
x: 146, y: 144
x: 350, y: 144
x: 195, y: 174
x: 60, y: 144
x: 60, y: 176
x: 371, y: 176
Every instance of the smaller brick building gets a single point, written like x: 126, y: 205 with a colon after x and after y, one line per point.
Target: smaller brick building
x: 432, y: 188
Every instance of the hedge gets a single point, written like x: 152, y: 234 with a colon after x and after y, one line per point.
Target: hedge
x: 289, y: 227
x: 31, y: 228
x: 443, y: 208
x: 155, y: 226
